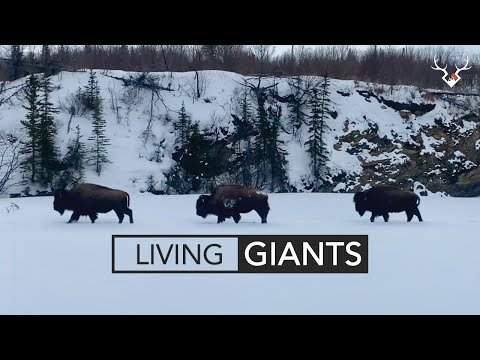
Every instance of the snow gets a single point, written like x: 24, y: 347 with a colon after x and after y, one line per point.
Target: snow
x: 468, y: 127
x: 393, y: 157
x: 434, y: 172
x: 127, y: 117
x: 50, y: 267
x: 428, y: 143
x: 469, y: 165
x: 298, y: 163
x: 421, y: 189
x: 460, y: 158
x: 371, y: 146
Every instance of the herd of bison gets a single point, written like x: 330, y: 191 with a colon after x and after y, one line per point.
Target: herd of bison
x: 227, y: 201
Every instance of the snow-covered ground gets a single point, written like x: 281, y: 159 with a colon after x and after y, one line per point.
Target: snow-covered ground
x: 50, y: 267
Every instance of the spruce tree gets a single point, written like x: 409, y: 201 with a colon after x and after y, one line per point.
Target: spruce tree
x: 320, y: 108
x: 175, y: 181
x: 276, y: 153
x: 179, y: 178
x: 46, y: 61
x: 16, y: 68
x: 196, y: 163
x: 62, y: 55
x: 74, y: 161
x: 211, y: 53
x: 48, y: 151
x: 182, y: 127
x: 98, y: 153
x: 197, y: 158
x: 297, y: 106
x: 31, y: 124
x: 268, y: 154
x: 244, y: 146
x: 92, y: 92
x: 260, y: 143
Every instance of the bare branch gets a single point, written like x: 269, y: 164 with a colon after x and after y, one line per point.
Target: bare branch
x: 9, y: 160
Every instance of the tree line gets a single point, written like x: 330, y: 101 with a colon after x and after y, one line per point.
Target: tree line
x: 41, y: 161
x: 255, y: 154
x: 386, y: 64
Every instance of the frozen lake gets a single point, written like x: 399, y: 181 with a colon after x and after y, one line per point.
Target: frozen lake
x: 50, y: 267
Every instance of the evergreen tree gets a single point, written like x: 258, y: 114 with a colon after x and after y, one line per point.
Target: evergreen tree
x: 47, y: 150
x: 182, y: 127
x: 31, y: 124
x: 320, y: 108
x: 92, y: 92
x: 268, y: 154
x: 197, y: 161
x: 16, y: 68
x: 197, y: 158
x: 46, y: 61
x: 175, y: 181
x: 62, y: 55
x: 74, y: 161
x: 297, y: 106
x: 276, y: 153
x: 260, y: 143
x: 98, y: 153
x: 243, y: 147
x: 211, y: 53
x: 179, y: 179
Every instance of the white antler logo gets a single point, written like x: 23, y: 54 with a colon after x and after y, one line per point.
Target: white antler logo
x: 454, y: 77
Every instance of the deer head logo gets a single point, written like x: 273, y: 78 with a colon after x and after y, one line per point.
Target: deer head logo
x: 453, y: 78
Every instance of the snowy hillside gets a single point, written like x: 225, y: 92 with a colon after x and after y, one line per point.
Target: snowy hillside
x: 377, y: 133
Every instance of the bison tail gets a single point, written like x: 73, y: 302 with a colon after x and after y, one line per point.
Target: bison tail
x: 128, y: 200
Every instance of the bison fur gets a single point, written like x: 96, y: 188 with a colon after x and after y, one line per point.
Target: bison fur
x: 91, y: 199
x: 381, y: 200
x: 230, y: 201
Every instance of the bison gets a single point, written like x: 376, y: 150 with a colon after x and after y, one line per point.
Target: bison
x: 91, y: 199
x: 384, y: 199
x: 230, y: 200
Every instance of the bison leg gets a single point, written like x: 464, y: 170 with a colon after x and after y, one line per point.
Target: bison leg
x: 417, y: 214
x: 372, y: 218
x: 220, y: 219
x: 263, y: 213
x: 130, y: 215
x: 409, y: 215
x: 236, y: 217
x: 120, y: 215
x: 93, y: 217
x: 74, y: 218
x: 385, y: 217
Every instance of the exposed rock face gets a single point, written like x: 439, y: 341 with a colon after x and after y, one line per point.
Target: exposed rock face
x: 443, y: 157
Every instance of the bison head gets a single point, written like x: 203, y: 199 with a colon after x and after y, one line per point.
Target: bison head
x: 360, y: 200
x: 59, y: 201
x: 203, y: 205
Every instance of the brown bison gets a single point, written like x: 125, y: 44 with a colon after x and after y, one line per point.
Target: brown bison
x: 384, y: 199
x: 230, y: 200
x: 91, y: 199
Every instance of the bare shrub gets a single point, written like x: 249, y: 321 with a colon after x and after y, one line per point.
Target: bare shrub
x: 76, y: 105
x: 9, y: 160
